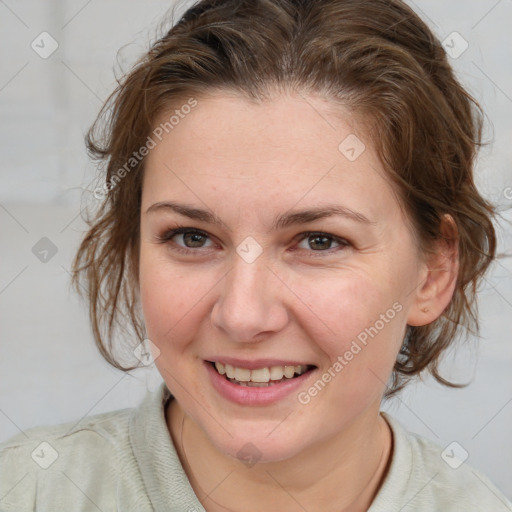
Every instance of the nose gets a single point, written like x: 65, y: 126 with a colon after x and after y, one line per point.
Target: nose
x: 249, y: 307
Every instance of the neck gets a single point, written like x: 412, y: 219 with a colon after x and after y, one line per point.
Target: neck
x: 312, y: 480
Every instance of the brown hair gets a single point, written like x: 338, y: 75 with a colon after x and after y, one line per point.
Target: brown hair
x: 375, y: 57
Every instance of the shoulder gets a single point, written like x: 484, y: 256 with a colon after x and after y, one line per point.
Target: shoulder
x: 62, y: 457
x: 103, y: 431
x: 452, y: 481
x: 423, y: 476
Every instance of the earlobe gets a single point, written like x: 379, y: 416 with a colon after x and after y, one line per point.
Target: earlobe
x: 438, y: 278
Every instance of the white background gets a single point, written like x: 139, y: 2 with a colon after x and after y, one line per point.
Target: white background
x: 50, y: 370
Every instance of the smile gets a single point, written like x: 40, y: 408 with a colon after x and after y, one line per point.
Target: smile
x: 259, y: 377
x: 258, y: 382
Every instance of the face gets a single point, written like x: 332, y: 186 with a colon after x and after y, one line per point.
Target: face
x: 256, y: 282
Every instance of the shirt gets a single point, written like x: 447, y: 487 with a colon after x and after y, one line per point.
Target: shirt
x: 125, y: 460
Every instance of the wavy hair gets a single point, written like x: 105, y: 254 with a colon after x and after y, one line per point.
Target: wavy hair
x: 375, y: 57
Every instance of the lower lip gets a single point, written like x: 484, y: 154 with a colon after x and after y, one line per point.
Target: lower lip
x: 245, y: 395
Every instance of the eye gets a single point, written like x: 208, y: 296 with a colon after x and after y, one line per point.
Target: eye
x: 322, y: 242
x: 191, y: 238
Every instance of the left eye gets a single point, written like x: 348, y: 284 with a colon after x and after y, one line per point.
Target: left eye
x: 321, y: 242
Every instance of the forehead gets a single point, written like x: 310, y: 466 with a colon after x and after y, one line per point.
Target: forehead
x: 288, y: 149
x: 228, y: 127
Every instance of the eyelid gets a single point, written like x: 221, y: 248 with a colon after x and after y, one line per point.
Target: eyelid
x: 306, y: 234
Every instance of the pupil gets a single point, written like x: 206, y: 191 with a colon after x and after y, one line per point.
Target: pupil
x: 197, y: 238
x: 318, y: 237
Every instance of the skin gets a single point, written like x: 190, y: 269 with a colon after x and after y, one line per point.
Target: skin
x: 301, y: 299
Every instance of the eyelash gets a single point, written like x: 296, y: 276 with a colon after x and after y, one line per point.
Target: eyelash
x: 168, y: 235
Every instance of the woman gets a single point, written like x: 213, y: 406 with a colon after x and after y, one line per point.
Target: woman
x: 290, y: 222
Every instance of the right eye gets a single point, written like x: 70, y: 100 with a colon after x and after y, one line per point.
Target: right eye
x: 191, y: 238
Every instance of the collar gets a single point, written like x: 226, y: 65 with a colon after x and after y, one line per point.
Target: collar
x: 166, y: 482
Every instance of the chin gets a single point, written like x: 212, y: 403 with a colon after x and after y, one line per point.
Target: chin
x: 260, y: 447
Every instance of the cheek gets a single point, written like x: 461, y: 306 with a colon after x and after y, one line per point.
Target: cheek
x: 174, y: 300
x: 358, y: 324
x: 342, y: 307
x: 165, y: 319
x: 164, y: 297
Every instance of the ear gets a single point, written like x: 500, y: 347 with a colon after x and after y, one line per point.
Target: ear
x: 438, y: 277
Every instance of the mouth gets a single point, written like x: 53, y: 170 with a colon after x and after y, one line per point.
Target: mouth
x: 260, y: 377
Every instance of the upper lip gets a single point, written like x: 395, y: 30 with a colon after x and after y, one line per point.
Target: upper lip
x: 254, y: 364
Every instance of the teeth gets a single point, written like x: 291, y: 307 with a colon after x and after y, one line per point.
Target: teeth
x: 244, y: 375
x: 230, y: 371
x: 289, y: 371
x: 259, y: 376
x: 276, y: 373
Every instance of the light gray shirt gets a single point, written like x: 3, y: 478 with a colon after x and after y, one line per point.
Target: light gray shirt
x: 125, y: 460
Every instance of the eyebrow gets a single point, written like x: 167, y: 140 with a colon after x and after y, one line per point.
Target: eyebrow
x: 280, y: 222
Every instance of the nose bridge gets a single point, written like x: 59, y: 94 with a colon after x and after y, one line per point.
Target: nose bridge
x: 248, y: 304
